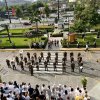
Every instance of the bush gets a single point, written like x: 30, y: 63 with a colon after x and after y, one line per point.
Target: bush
x: 43, y: 38
x: 84, y: 82
x: 57, y: 35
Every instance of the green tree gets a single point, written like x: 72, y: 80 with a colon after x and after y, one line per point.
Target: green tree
x: 34, y: 17
x: 19, y: 12
x: 47, y: 11
x: 86, y: 15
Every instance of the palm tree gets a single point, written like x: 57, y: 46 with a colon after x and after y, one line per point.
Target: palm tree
x: 35, y: 18
x: 47, y: 11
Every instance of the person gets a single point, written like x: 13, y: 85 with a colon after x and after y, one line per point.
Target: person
x: 31, y: 70
x: 56, y: 60
x: 81, y: 67
x: 42, y: 56
x: 78, y: 45
x: 37, y: 66
x: 59, y: 97
x: 25, y: 60
x: 72, y: 66
x: 46, y: 66
x: 49, y: 92
x: 8, y: 63
x: 72, y: 59
x: 65, y: 55
x: 13, y: 65
x: 21, y: 64
x: 32, y: 60
x: 48, y: 62
x: 71, y: 54
x: 35, y: 56
x: 58, y: 43
x: 49, y: 55
x: 79, y: 54
x: 55, y: 67
x: 28, y: 55
x: 17, y: 60
x: 55, y: 42
x: 63, y: 67
x: 87, y: 47
x: 56, y: 54
x: 94, y: 44
x: 36, y: 92
x: 21, y: 56
x: 39, y: 58
x: 42, y: 96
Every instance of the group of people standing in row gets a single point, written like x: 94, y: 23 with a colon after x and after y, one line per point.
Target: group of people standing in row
x: 34, y: 61
x: 53, y: 43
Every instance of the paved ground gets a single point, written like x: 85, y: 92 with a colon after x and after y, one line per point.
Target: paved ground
x: 91, y: 71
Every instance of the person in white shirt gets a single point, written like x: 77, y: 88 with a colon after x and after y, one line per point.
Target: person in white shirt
x: 65, y: 95
x: 49, y: 92
x: 72, y: 94
x: 43, y: 89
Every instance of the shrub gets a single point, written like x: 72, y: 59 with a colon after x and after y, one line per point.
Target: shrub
x: 43, y: 38
x: 57, y: 35
x: 84, y: 82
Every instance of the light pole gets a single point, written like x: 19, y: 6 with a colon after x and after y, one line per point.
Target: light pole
x: 6, y: 27
x: 8, y: 11
x: 58, y: 9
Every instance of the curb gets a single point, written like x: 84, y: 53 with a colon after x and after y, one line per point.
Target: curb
x: 61, y: 49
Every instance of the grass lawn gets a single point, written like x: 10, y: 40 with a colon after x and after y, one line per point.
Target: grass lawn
x: 19, y: 42
x: 44, y: 27
x: 14, y: 31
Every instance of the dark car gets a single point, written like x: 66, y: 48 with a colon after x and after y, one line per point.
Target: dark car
x: 26, y: 23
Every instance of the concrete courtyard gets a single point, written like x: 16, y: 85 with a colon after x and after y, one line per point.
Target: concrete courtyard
x: 91, y: 71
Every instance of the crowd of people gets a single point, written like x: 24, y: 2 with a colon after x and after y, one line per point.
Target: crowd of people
x: 53, y: 43
x: 23, y: 91
x: 34, y: 61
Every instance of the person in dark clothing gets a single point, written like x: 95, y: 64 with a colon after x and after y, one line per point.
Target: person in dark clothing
x: 39, y: 58
x: 17, y: 60
x: 56, y: 54
x: 71, y: 54
x: 49, y: 55
x: 21, y: 56
x: 30, y: 90
x: 72, y: 59
x: 63, y: 67
x: 28, y: 55
x: 72, y: 66
x: 56, y: 60
x: 59, y: 97
x: 65, y: 55
x: 55, y: 67
x: 37, y: 66
x: 8, y: 63
x: 25, y: 60
x: 31, y: 70
x: 46, y: 66
x: 21, y: 64
x: 42, y: 56
x: 36, y: 92
x: 35, y: 56
x: 13, y: 65
x: 42, y: 96
x: 32, y: 60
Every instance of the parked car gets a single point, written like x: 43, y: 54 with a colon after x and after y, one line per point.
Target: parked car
x: 26, y: 23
